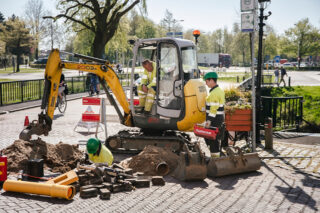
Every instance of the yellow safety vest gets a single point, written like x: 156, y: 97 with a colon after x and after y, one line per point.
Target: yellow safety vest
x: 215, y: 106
x: 150, y: 78
x: 105, y: 156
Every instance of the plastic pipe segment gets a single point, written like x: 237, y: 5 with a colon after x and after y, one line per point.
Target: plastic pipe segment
x: 52, y: 190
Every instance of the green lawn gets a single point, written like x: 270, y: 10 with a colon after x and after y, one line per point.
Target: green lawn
x: 22, y: 70
x: 5, y: 79
x: 311, y: 96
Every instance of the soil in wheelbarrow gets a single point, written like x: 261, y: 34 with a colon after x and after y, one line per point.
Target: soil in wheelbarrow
x: 57, y: 158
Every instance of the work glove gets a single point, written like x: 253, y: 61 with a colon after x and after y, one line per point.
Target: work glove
x: 207, y: 124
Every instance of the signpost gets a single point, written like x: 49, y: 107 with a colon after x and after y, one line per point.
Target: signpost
x: 248, y: 25
x: 175, y: 34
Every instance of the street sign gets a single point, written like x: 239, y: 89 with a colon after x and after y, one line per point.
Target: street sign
x: 247, y: 22
x: 175, y: 34
x: 248, y: 5
x: 276, y: 59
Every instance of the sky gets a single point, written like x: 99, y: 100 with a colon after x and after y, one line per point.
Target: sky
x: 207, y: 15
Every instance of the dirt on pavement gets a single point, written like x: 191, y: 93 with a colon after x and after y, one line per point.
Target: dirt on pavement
x: 58, y: 158
x: 147, y: 160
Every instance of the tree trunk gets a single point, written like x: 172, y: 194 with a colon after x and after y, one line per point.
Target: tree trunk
x: 18, y: 62
x: 99, y: 44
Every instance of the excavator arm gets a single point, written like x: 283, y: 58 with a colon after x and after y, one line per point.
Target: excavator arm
x: 53, y: 72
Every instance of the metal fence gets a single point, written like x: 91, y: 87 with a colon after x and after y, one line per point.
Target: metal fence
x: 22, y: 91
x: 286, y: 112
x: 30, y: 90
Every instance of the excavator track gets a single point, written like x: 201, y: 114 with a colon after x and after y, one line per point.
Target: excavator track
x: 134, y: 141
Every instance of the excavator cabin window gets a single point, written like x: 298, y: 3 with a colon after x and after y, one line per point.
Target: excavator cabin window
x: 168, y: 74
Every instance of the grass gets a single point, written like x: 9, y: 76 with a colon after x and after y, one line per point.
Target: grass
x: 22, y: 70
x: 5, y: 79
x: 311, y: 96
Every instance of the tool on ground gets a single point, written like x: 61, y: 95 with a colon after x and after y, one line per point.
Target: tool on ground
x: 191, y: 165
x: 53, y: 190
x: 64, y: 179
x: 35, y: 168
x: 235, y: 162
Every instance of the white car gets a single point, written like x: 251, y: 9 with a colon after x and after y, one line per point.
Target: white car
x: 287, y: 64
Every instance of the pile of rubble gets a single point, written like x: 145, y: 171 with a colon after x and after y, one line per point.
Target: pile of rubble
x: 103, y: 180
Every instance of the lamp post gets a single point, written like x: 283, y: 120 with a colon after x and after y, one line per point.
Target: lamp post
x: 262, y: 17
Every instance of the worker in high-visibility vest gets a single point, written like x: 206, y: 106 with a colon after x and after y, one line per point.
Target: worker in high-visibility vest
x: 214, y: 108
x: 147, y: 88
x: 98, y: 153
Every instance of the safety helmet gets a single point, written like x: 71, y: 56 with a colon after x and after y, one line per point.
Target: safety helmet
x: 93, y: 145
x: 210, y: 75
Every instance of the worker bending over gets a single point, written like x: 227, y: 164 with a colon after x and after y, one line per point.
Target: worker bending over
x: 98, y: 153
x: 214, y: 108
x: 147, y: 88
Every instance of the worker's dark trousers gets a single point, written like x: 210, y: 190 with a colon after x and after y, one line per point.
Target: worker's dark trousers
x: 213, y: 144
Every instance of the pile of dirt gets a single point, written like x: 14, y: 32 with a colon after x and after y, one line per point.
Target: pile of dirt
x: 59, y: 158
x: 149, y: 158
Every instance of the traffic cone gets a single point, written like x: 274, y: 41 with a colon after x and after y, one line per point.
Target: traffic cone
x: 26, y: 121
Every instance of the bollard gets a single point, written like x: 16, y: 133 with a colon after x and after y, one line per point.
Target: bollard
x: 237, y: 79
x: 268, y: 134
x: 289, y: 81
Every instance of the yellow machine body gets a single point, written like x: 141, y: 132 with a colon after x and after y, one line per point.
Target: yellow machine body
x: 195, y: 109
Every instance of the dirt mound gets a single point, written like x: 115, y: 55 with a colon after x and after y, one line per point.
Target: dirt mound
x: 150, y: 157
x: 60, y: 158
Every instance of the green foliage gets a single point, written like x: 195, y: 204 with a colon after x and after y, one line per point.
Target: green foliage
x: 311, y: 96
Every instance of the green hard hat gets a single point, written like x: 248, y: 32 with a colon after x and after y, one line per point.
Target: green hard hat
x: 210, y: 75
x: 93, y: 145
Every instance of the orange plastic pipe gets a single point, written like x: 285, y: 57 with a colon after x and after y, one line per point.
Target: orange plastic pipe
x: 53, y: 190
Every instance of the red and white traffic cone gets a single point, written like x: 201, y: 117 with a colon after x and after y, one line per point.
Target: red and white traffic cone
x: 26, y: 121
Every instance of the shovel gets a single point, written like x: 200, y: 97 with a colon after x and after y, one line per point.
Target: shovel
x: 191, y: 165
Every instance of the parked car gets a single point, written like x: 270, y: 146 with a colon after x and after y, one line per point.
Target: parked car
x: 41, y: 61
x: 287, y: 64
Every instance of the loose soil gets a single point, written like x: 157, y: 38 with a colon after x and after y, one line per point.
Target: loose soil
x: 147, y: 160
x: 59, y: 158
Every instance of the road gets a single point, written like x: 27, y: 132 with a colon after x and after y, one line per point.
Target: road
x: 301, y: 78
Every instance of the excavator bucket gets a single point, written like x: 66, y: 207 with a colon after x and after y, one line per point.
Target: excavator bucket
x: 234, y: 163
x: 191, y: 165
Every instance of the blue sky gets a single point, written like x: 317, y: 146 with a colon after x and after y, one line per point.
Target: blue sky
x: 208, y: 15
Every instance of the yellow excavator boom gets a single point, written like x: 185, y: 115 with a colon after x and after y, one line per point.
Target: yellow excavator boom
x: 53, y: 74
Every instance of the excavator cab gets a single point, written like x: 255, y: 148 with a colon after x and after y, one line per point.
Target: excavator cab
x: 178, y: 81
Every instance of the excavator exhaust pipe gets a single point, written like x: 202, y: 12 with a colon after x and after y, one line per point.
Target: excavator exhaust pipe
x: 235, y: 163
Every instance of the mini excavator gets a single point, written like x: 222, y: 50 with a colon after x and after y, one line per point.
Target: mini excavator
x: 178, y: 106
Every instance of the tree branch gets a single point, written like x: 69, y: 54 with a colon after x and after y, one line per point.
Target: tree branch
x: 71, y: 19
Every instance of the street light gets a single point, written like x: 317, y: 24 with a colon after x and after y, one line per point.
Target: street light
x: 262, y: 17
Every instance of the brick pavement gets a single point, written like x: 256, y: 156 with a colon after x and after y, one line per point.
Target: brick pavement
x: 282, y: 185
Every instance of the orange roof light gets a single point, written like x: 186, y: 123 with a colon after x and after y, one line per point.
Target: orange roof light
x: 196, y: 33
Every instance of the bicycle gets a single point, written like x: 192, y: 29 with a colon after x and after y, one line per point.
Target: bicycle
x: 62, y: 102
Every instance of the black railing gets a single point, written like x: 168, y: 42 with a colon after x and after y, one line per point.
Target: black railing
x: 30, y: 90
x: 286, y: 112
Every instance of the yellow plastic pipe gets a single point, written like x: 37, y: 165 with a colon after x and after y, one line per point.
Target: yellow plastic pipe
x: 53, y: 190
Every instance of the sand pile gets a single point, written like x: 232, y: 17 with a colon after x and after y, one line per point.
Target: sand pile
x: 59, y: 158
x: 149, y: 158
